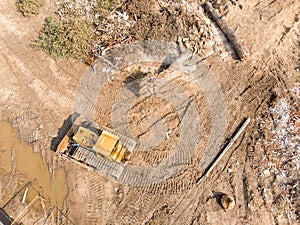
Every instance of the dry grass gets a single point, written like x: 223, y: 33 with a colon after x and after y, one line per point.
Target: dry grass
x: 65, y: 38
x: 30, y: 7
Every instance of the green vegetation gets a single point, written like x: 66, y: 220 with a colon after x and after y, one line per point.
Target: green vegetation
x: 65, y: 38
x: 106, y: 4
x: 72, y: 31
x: 30, y: 7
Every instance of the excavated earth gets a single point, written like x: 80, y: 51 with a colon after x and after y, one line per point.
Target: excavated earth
x: 261, y: 170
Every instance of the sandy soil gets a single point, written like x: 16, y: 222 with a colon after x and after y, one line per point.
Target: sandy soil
x: 37, y: 94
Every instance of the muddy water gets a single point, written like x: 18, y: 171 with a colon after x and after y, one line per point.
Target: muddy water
x: 18, y: 157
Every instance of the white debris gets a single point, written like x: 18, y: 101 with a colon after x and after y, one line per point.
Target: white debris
x: 267, y: 173
x: 283, y: 124
x: 229, y: 170
x: 123, y: 15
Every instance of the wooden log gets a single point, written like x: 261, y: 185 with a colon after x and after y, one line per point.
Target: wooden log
x: 228, y: 32
x: 228, y: 146
x: 24, y: 196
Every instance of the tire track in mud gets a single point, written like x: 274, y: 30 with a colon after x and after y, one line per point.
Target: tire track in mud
x: 96, y: 207
x: 257, y: 91
x: 180, y: 211
x: 42, y: 91
x: 31, y: 84
x: 184, y: 181
x: 32, y: 68
x: 254, y: 97
x: 258, y: 84
x: 136, y: 208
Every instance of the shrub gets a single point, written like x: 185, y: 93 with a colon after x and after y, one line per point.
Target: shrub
x: 72, y: 31
x: 65, y: 38
x: 30, y: 7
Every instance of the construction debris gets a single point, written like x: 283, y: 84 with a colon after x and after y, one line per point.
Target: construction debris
x: 282, y: 136
x: 30, y: 206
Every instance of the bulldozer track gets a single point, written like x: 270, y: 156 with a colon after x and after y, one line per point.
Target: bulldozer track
x: 129, y: 143
x: 98, y: 163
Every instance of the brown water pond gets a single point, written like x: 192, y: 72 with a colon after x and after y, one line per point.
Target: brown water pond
x: 17, y: 156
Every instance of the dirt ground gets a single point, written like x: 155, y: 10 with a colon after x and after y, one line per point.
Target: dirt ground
x: 261, y: 170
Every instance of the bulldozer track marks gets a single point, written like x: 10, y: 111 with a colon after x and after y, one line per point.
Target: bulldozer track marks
x: 139, y: 207
x: 155, y: 156
x: 264, y: 85
x: 33, y: 133
x: 95, y: 213
x: 173, y: 185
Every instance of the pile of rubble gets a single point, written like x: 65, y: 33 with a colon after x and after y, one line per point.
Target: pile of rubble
x: 141, y: 20
x: 112, y: 31
x: 284, y: 161
x: 83, y: 9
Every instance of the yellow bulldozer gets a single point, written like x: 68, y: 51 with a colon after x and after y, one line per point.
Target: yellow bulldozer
x: 84, y: 141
